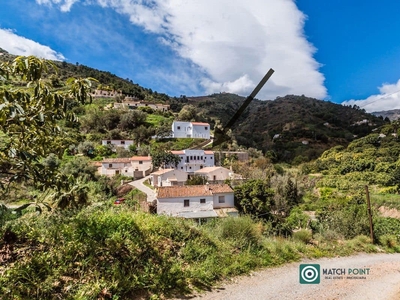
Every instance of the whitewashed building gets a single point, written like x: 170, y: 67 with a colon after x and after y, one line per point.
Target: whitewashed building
x: 198, y: 130
x: 215, y: 174
x: 193, y: 160
x: 196, y: 201
x: 117, y: 143
x: 136, y: 166
x: 168, y: 177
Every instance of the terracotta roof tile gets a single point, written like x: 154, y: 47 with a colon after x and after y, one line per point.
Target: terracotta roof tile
x: 192, y: 190
x: 200, y: 123
x: 116, y: 160
x: 177, y: 152
x: 140, y: 158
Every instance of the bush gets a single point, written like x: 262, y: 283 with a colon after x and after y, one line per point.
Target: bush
x: 302, y: 235
x: 388, y: 240
x: 241, y: 231
x: 386, y: 226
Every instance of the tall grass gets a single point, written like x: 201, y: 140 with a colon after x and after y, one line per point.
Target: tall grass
x: 104, y: 252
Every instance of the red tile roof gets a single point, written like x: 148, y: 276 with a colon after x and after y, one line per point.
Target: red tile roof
x: 192, y: 190
x: 140, y: 158
x: 200, y: 124
x: 208, y: 152
x: 116, y: 160
x: 177, y: 152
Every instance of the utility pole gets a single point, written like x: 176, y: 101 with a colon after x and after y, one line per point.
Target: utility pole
x: 371, y: 228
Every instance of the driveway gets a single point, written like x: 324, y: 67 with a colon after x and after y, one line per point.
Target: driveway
x: 151, y: 195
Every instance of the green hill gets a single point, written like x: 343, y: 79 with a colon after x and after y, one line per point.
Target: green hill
x: 291, y: 127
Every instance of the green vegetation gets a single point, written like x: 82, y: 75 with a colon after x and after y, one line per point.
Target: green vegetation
x: 285, y: 123
x: 116, y: 252
x: 67, y: 238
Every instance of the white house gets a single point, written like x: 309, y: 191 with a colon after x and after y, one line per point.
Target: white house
x: 196, y: 201
x: 215, y: 174
x: 118, y: 143
x: 168, y: 177
x: 193, y: 160
x: 198, y: 130
x: 136, y: 166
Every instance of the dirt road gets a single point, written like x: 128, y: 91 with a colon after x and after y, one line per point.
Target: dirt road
x: 373, y: 276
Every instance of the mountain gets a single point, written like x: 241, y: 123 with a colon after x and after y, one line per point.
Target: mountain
x: 105, y: 79
x: 290, y: 128
x: 392, y: 115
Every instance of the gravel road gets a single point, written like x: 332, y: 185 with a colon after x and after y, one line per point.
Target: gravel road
x: 381, y: 281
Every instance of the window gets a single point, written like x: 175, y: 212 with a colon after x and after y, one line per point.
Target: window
x: 181, y: 168
x: 179, y: 127
x: 140, y: 162
x: 110, y: 165
x: 186, y: 203
x: 108, y: 142
x: 122, y: 142
x: 221, y: 199
x: 206, y: 128
x: 202, y: 201
x: 191, y: 158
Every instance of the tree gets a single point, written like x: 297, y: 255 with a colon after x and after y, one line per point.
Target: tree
x: 29, y: 119
x: 164, y: 158
x: 132, y: 119
x: 164, y: 129
x: 187, y: 113
x: 196, y: 180
x: 255, y: 198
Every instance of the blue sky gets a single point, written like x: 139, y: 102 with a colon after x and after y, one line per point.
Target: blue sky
x: 342, y: 51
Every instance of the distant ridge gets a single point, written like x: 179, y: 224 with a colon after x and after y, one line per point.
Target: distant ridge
x: 392, y: 115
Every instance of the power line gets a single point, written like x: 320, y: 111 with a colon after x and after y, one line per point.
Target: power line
x: 382, y: 96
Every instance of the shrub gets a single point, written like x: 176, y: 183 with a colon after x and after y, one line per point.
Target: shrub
x: 302, y: 235
x: 242, y: 231
x: 388, y: 240
x: 386, y: 226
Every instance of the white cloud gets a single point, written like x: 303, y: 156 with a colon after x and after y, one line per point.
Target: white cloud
x: 387, y: 99
x: 19, y: 45
x: 233, y: 42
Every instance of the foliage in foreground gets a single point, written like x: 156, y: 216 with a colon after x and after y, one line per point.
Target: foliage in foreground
x: 104, y: 252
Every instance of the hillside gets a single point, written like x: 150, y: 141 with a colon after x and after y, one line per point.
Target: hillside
x: 392, y: 115
x: 290, y: 126
x: 105, y: 79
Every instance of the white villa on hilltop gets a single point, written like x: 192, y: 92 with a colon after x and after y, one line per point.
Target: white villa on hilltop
x: 197, y: 130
